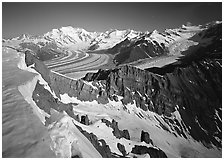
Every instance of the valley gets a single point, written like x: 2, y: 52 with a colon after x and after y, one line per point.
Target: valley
x: 123, y: 93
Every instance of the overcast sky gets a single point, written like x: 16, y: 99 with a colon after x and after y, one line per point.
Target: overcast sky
x: 39, y: 18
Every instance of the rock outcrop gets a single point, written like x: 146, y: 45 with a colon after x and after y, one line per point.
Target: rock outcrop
x: 153, y: 152
x: 43, y: 51
x: 145, y: 137
x: 129, y: 51
x: 192, y: 86
x: 85, y: 120
x: 45, y: 101
x: 121, y: 149
x: 42, y: 69
x: 99, y: 144
x: 116, y: 131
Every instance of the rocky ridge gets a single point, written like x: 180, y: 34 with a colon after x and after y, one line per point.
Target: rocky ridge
x: 47, y: 100
x: 184, y: 97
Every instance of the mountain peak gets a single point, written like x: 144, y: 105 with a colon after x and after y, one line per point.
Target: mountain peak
x: 70, y: 29
x: 155, y: 32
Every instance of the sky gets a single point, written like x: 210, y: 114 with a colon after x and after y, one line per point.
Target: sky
x: 38, y: 18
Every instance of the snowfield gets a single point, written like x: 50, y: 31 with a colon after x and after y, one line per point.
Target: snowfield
x: 127, y: 119
x: 68, y: 140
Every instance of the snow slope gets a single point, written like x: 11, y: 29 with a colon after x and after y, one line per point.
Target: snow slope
x: 128, y: 119
x: 73, y: 143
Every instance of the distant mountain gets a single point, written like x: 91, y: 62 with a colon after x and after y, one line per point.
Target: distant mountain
x: 110, y: 38
x: 75, y: 38
x: 126, y: 46
x: 171, y: 42
x: 67, y: 36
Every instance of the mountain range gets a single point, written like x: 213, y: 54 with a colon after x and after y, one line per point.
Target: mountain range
x: 141, y: 94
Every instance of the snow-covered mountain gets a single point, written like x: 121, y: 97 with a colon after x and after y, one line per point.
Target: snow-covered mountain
x: 174, y: 111
x: 79, y: 38
x: 69, y: 36
x: 171, y: 42
x: 76, y: 38
x: 126, y: 111
x: 110, y: 38
x: 125, y: 46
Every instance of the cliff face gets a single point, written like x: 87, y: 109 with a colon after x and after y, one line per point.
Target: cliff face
x: 43, y: 51
x: 193, y: 90
x: 191, y: 86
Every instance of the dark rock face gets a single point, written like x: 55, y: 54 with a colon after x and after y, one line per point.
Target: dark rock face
x: 85, y: 120
x: 75, y: 156
x: 133, y: 84
x: 128, y: 51
x: 145, y: 137
x: 76, y: 88
x: 93, y: 47
x: 45, y: 101
x: 154, y: 153
x: 99, y: 144
x: 126, y: 134
x: 45, y: 52
x: 191, y: 86
x: 38, y: 65
x: 121, y: 149
x: 116, y: 131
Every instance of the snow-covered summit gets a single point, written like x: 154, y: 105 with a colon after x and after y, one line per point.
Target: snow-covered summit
x: 70, y: 36
x: 79, y: 38
x: 66, y: 36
